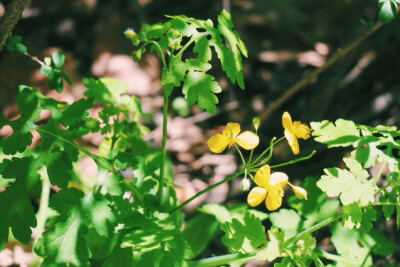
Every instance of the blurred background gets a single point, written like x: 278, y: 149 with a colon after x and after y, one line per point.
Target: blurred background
x: 286, y: 40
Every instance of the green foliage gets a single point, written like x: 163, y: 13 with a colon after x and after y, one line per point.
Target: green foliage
x: 350, y: 186
x: 14, y: 43
x: 244, y: 235
x: 77, y: 214
x: 124, y: 221
x: 191, y: 73
x: 55, y: 75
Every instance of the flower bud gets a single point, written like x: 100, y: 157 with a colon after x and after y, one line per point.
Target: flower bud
x: 130, y: 33
x: 245, y: 184
x: 300, y: 192
x: 256, y: 122
x: 137, y: 55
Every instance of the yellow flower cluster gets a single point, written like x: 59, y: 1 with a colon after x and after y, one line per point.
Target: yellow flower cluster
x: 269, y: 186
x: 218, y: 142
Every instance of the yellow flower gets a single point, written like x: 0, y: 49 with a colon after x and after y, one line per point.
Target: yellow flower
x: 299, y: 192
x: 269, y: 188
x: 218, y: 142
x: 293, y: 131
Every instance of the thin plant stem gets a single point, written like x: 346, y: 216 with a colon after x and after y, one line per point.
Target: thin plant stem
x: 376, y: 177
x: 43, y: 208
x: 270, y: 148
x: 164, y: 130
x: 163, y: 147
x: 312, y: 75
x: 227, y: 179
x: 241, y: 155
x: 294, y: 160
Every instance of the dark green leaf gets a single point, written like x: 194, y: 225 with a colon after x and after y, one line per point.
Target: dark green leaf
x: 198, y: 232
x: 56, y: 81
x: 21, y: 137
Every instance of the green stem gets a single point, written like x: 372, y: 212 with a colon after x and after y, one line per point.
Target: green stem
x: 43, y: 208
x: 222, y: 260
x: 313, y: 229
x: 230, y: 177
x: 160, y: 51
x: 266, y: 150
x: 294, y: 160
x: 163, y: 147
x: 376, y: 177
x: 381, y: 204
x: 179, y: 54
x: 241, y: 155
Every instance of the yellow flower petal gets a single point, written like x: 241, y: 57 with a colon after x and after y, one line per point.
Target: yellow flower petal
x: 278, y: 179
x: 262, y: 176
x: 301, y: 130
x: 217, y: 143
x: 247, y: 140
x: 292, y: 140
x: 231, y: 130
x: 287, y: 121
x: 256, y: 196
x: 274, y: 199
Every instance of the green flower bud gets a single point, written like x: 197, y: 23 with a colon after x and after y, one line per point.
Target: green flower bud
x: 256, y: 122
x: 137, y: 55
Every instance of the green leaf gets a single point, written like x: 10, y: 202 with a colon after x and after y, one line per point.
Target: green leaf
x: 58, y: 59
x: 347, y: 245
x: 174, y: 74
x: 21, y: 137
x: 59, y: 167
x: 56, y: 80
x: 17, y: 211
x: 344, y: 133
x: 119, y: 257
x: 221, y: 213
x: 379, y: 243
x: 65, y: 243
x: 230, y: 58
x: 316, y: 207
x: 244, y: 235
x: 202, y: 49
x: 76, y: 112
x: 155, y: 239
x: 201, y: 88
x: 286, y: 220
x: 273, y: 248
x: 338, y: 182
x: 387, y: 10
x: 198, y: 232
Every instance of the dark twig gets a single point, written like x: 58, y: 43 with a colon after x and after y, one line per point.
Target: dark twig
x: 10, y: 19
x: 312, y: 75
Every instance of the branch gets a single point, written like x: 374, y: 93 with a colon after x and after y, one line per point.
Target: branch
x: 10, y: 19
x: 304, y: 81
